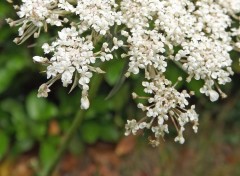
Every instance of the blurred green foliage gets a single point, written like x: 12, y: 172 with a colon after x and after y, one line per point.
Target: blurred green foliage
x: 26, y: 121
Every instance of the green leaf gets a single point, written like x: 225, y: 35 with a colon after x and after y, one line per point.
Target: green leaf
x: 39, y: 108
x: 4, y: 144
x: 5, y: 79
x: 5, y: 33
x: 47, y: 151
x: 119, y: 99
x: 195, y: 85
x: 16, y: 63
x: 20, y: 123
x: 4, y: 9
x: 173, y: 72
x: 109, y: 133
x: 98, y: 105
x: 90, y: 131
x: 119, y: 82
x: 21, y: 146
x: 113, y: 71
x: 10, y: 70
x: 5, y: 122
x: 66, y: 100
x: 38, y: 130
x: 15, y: 108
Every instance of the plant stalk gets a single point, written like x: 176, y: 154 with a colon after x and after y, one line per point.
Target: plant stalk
x: 49, y: 169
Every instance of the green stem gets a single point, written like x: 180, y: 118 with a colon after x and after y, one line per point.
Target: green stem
x: 67, y: 138
x: 49, y: 169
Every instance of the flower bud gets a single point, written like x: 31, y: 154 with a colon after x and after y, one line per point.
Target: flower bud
x: 85, y: 102
x: 43, y: 90
x: 213, y: 95
x: 40, y: 59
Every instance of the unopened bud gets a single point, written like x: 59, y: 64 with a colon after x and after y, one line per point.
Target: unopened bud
x: 134, y: 95
x: 85, y: 102
x: 43, y: 91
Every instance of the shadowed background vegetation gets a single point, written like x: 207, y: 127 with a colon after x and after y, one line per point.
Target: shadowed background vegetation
x: 32, y: 128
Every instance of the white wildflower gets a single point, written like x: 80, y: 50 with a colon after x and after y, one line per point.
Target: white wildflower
x: 150, y: 35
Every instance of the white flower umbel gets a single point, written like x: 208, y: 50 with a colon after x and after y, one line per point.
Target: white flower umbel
x: 34, y: 15
x: 233, y: 6
x: 146, y: 48
x: 206, y: 59
x: 196, y: 36
x: 98, y: 14
x: 164, y: 104
x: 72, y: 55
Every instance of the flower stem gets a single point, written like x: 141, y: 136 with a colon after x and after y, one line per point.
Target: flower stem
x: 49, y: 169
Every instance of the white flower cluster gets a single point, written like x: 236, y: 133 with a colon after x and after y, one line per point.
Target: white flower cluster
x: 35, y: 14
x: 166, y: 103
x: 39, y: 11
x: 146, y: 48
x: 233, y: 6
x: 195, y: 35
x: 70, y: 53
x: 98, y: 14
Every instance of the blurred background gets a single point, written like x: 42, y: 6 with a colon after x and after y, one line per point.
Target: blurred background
x: 31, y: 128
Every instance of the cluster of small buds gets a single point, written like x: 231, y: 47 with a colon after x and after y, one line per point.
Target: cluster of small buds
x: 195, y: 35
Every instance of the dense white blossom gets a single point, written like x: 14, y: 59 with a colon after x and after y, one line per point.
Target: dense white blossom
x: 197, y: 36
x: 35, y: 14
x: 233, y: 6
x: 39, y: 11
x: 98, y: 14
x: 146, y: 48
x: 166, y: 103
x: 72, y: 54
